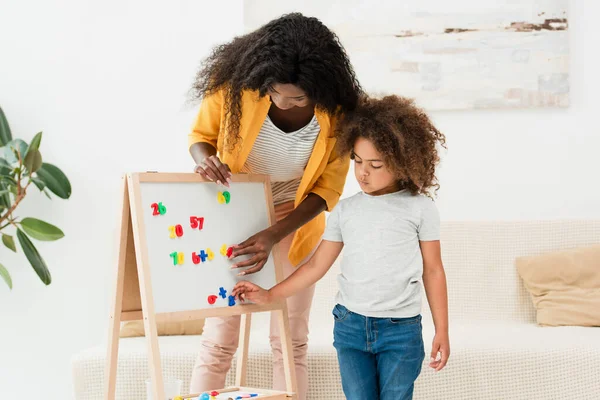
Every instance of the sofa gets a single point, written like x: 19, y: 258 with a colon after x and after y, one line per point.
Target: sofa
x: 498, y: 350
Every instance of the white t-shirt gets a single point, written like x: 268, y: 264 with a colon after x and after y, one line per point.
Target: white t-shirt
x: 382, y: 265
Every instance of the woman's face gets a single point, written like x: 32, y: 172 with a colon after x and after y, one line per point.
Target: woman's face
x: 286, y: 96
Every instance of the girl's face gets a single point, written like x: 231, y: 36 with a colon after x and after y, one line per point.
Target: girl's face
x: 373, y: 176
x: 286, y: 96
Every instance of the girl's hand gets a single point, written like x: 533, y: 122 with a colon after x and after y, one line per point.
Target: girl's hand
x: 260, y: 245
x: 244, y: 290
x: 213, y: 169
x: 441, y: 344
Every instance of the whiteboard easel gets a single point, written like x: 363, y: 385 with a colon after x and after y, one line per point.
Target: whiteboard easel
x: 133, y: 291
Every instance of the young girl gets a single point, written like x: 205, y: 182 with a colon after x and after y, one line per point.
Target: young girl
x: 390, y: 231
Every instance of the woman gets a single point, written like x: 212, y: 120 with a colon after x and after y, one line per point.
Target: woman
x: 271, y: 100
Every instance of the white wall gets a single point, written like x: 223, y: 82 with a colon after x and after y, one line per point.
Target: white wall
x: 106, y: 82
x: 528, y: 163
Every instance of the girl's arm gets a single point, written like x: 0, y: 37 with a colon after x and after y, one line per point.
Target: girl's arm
x: 434, y: 280
x: 305, y: 276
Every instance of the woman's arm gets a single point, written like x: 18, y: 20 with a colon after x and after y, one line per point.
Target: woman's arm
x: 306, y: 275
x: 310, y: 207
x: 323, y: 197
x: 202, y: 150
x: 209, y: 165
x: 204, y: 138
x: 261, y: 244
x: 434, y: 280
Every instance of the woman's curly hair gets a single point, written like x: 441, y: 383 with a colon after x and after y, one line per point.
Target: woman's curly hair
x: 291, y: 49
x: 402, y: 133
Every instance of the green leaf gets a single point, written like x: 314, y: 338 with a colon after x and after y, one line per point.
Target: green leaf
x: 8, y: 180
x: 9, y: 242
x: 4, y: 196
x: 41, y: 230
x: 35, y: 142
x: 36, y: 261
x: 5, y: 167
x: 8, y: 183
x: 33, y: 160
x: 4, y: 274
x: 55, y: 180
x: 5, y: 134
x: 15, y: 145
x: 38, y: 182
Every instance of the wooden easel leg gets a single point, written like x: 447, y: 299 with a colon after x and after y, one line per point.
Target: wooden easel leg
x: 143, y: 270
x: 110, y: 377
x: 242, y: 358
x: 158, y: 389
x: 286, y: 350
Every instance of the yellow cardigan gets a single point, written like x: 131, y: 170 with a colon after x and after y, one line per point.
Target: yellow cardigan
x: 324, y: 175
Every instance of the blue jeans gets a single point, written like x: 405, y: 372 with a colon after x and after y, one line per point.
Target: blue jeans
x: 380, y: 358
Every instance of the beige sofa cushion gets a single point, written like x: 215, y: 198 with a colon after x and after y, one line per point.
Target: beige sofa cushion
x: 136, y: 328
x: 564, y: 286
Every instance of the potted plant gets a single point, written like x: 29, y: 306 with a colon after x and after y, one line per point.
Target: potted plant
x: 21, y: 166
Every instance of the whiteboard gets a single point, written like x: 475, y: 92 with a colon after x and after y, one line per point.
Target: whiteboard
x: 187, y: 286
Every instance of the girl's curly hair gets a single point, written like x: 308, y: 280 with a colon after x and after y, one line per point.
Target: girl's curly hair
x: 402, y: 133
x: 291, y: 49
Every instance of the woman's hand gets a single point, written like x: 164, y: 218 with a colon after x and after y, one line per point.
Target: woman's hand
x: 213, y: 169
x: 244, y: 290
x: 260, y: 245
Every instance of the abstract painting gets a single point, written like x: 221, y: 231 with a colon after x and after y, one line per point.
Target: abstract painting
x: 460, y: 54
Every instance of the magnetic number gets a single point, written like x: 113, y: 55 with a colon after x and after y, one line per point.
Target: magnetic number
x: 226, y: 251
x: 224, y: 197
x: 159, y: 209
x: 202, y: 256
x: 195, y: 258
x: 176, y: 230
x: 177, y: 258
x: 197, y: 222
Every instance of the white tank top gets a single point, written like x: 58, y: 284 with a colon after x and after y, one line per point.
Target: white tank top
x: 283, y: 156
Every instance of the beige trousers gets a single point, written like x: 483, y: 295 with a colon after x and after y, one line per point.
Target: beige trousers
x: 219, y: 340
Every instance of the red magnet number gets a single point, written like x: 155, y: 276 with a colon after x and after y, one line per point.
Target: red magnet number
x: 159, y: 209
x: 197, y: 222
